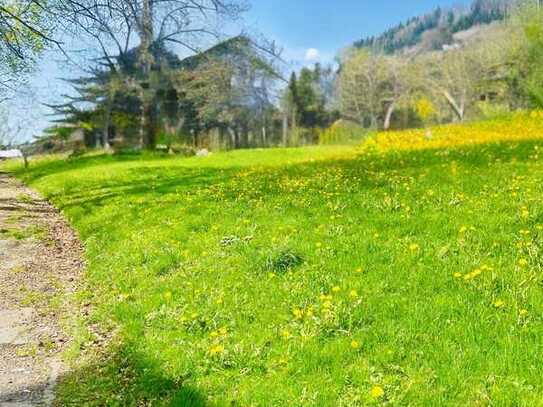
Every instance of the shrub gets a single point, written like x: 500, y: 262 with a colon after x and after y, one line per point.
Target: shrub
x: 342, y: 132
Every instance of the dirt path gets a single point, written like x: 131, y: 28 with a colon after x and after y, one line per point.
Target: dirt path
x: 40, y: 261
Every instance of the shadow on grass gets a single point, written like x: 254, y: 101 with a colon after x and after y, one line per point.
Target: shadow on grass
x: 119, y: 378
x: 122, y: 376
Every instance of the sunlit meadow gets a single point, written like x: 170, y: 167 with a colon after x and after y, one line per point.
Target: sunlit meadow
x: 406, y: 270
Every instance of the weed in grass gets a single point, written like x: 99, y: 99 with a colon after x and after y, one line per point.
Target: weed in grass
x: 25, y: 198
x: 284, y: 261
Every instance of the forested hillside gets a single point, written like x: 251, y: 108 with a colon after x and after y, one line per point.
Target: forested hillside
x: 436, y: 29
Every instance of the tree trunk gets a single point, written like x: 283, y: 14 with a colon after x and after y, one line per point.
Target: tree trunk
x: 105, y: 133
x: 285, y: 129
x: 150, y: 125
x: 141, y: 141
x: 388, y: 115
x: 148, y: 129
x: 457, y: 109
x: 373, y: 122
x: 293, y: 134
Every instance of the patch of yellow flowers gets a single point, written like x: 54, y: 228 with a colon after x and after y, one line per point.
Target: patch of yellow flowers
x: 519, y: 126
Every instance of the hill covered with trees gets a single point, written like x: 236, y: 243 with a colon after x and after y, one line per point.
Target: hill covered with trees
x: 435, y: 30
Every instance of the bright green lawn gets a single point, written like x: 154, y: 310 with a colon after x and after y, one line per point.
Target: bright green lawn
x: 310, y: 277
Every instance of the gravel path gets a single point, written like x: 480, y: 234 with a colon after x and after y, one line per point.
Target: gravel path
x: 40, y: 262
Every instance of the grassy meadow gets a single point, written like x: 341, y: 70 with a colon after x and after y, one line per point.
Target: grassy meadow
x: 403, y: 271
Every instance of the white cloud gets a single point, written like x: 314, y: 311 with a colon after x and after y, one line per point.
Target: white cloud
x: 312, y: 54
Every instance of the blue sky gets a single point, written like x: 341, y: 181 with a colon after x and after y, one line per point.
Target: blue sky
x: 307, y: 30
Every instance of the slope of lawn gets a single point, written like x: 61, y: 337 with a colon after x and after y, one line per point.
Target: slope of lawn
x: 405, y: 271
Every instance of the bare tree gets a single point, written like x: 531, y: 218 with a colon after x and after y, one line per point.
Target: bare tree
x: 372, y: 86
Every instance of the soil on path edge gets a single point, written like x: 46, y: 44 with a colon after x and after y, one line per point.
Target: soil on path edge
x: 40, y: 265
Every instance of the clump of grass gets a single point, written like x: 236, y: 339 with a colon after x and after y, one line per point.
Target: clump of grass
x: 35, y: 232
x: 284, y: 261
x: 13, y: 233
x: 25, y: 198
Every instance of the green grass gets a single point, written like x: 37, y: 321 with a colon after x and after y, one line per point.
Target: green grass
x: 310, y: 277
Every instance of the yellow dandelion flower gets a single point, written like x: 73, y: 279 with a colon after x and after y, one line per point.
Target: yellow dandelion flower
x: 463, y: 229
x: 523, y: 312
x: 353, y: 294
x: 457, y: 275
x: 499, y: 303
x: 523, y: 262
x: 355, y: 344
x: 377, y: 392
x: 413, y: 247
x: 216, y: 350
x: 298, y: 313
x: 336, y: 289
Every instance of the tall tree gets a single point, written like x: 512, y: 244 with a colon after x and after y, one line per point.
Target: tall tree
x: 116, y: 26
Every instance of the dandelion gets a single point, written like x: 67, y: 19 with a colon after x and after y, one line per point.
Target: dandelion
x: 216, y: 350
x: 473, y: 274
x: 377, y: 392
x: 298, y: 313
x: 457, y: 275
x: 355, y: 344
x: 336, y: 289
x: 359, y: 270
x: 523, y: 262
x: 285, y: 334
x: 413, y: 247
x: 353, y: 294
x: 463, y: 229
x: 499, y: 303
x: 523, y: 313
